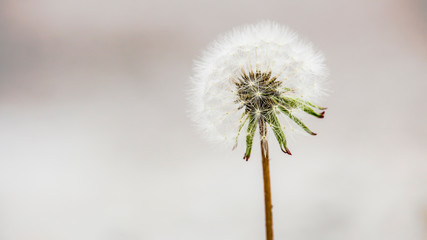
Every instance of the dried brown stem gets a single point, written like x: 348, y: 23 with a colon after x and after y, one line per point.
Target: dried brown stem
x: 266, y: 176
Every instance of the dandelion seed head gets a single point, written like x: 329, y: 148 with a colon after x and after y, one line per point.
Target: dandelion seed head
x: 255, y: 71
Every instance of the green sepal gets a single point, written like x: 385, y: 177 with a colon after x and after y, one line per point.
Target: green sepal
x: 243, y: 120
x: 274, y: 123
x: 310, y: 104
x: 292, y: 103
x: 296, y: 120
x: 253, y: 121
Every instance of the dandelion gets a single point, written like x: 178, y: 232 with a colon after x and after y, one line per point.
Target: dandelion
x: 254, y: 77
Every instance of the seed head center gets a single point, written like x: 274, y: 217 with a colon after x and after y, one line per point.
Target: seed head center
x: 256, y: 91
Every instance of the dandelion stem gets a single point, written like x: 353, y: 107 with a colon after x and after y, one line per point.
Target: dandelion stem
x: 266, y: 176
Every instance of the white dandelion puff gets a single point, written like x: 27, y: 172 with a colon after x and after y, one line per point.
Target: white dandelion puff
x: 254, y: 77
x: 253, y: 74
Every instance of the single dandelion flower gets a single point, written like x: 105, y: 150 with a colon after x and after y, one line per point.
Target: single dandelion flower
x: 253, y: 77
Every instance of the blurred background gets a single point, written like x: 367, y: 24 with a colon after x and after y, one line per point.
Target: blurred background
x: 96, y: 142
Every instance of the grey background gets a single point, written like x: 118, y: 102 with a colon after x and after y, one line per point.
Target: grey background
x: 96, y: 142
